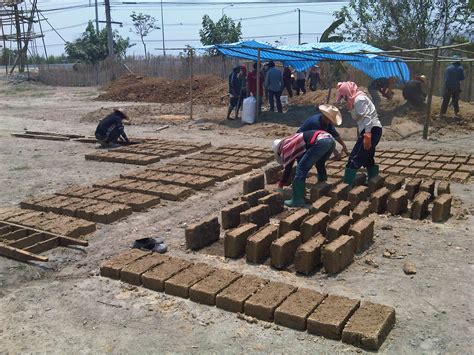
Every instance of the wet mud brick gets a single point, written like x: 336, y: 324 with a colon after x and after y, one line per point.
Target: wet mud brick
x: 283, y: 249
x: 132, y: 272
x: 330, y: 317
x: 338, y: 227
x: 322, y: 204
x: 230, y: 215
x: 293, y: 221
x: 205, y: 291
x: 254, y: 183
x: 273, y: 173
x: 363, y: 233
x: 428, y: 186
x: 253, y: 197
x: 294, y: 311
x: 378, y: 200
x: 262, y: 304
x: 394, y: 183
x: 341, y: 207
x: 360, y: 179
x: 419, y: 206
x: 444, y: 187
x: 109, y: 212
x: 258, y: 244
x: 397, y: 202
x: 314, y: 224
x: 375, y: 183
x: 259, y: 215
x: 179, y: 284
x: 339, y: 192
x: 319, y: 190
x: 338, y: 254
x: 412, y: 187
x: 201, y: 234
x: 369, y: 326
x: 233, y: 297
x: 154, y: 279
x: 357, y: 194
x: 363, y: 209
x: 425, y: 173
x: 460, y: 176
x: 235, y: 240
x: 308, y: 255
x: 274, y: 201
x: 441, y: 208
x: 112, y: 267
x: 442, y: 175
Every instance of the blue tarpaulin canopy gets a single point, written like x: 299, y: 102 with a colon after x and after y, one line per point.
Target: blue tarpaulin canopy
x: 302, y: 57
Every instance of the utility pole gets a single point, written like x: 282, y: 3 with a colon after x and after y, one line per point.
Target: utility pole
x: 434, y: 70
x: 163, y: 29
x: 110, y: 41
x: 299, y: 26
x: 96, y: 17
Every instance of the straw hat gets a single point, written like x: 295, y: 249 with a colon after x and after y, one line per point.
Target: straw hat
x: 422, y: 78
x: 332, y: 113
x: 276, y: 147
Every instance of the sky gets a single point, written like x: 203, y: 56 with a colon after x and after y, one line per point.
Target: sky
x: 266, y: 20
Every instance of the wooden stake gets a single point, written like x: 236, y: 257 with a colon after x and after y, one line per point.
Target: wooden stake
x: 191, y: 84
x: 434, y: 70
x: 258, y: 83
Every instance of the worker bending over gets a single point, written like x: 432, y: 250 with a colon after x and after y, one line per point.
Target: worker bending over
x: 369, y: 130
x: 384, y: 86
x: 110, y: 129
x: 414, y: 91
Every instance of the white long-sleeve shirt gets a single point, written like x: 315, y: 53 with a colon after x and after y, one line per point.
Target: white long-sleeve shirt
x: 365, y: 114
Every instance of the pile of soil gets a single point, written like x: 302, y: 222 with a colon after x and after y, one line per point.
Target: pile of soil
x: 207, y: 89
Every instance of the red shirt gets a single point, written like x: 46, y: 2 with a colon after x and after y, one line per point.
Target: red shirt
x: 252, y: 82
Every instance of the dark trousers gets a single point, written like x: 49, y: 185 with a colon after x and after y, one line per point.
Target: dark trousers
x: 300, y: 86
x: 275, y: 95
x: 450, y: 94
x: 111, y: 138
x: 313, y: 84
x: 359, y: 156
x: 288, y: 88
x: 317, y: 154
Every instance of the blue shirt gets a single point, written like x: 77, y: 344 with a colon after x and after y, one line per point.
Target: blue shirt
x: 313, y: 123
x: 274, y: 80
x: 453, y: 75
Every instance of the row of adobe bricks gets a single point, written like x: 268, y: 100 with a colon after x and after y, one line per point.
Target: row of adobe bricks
x: 361, y: 324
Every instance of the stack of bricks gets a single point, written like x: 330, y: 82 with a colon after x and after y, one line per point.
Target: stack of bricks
x: 363, y: 324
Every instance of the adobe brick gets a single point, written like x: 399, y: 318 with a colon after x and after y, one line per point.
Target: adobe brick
x: 405, y: 163
x: 378, y: 201
x: 112, y: 267
x: 363, y: 233
x: 233, y: 298
x: 253, y: 197
x: 319, y: 190
x: 394, y: 183
x: 375, y: 183
x: 425, y: 173
x: 338, y: 227
x: 441, y: 174
x: 357, y: 194
x: 154, y: 279
x: 409, y: 171
x: 322, y: 204
x: 441, y: 208
x: 292, y: 313
x: 262, y: 304
x: 339, y: 192
x: 340, y: 208
x: 330, y: 317
x: 369, y: 326
x: 274, y: 201
x: 397, y: 202
x: 273, y: 173
x: 419, y: 164
x: 132, y: 272
x: 293, y: 221
x: 412, y: 187
x: 230, y: 215
x: 460, y: 176
x: 283, y: 249
x: 201, y: 234
x: 308, y: 255
x: 179, y: 284
x: 254, y: 183
x: 235, y: 240
x: 338, y: 254
x: 428, y: 185
x: 419, y: 207
x: 363, y: 209
x: 206, y: 290
x: 259, y: 215
x: 258, y: 244
x: 314, y: 224
x: 444, y: 187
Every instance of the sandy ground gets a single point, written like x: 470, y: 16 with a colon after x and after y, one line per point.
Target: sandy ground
x: 64, y: 306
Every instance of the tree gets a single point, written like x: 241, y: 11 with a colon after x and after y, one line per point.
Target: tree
x: 223, y: 31
x: 404, y: 23
x: 91, y: 47
x: 142, y: 25
x: 327, y: 35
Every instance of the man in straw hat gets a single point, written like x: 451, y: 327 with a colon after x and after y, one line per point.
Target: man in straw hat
x: 110, y: 129
x: 309, y: 148
x: 369, y: 130
x: 453, y: 76
x: 414, y: 90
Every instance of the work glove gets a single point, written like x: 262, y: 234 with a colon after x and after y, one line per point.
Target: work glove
x: 367, y: 141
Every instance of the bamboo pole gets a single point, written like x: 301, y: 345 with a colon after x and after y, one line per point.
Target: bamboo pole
x: 191, y: 84
x: 469, y: 88
x: 258, y: 83
x: 434, y: 68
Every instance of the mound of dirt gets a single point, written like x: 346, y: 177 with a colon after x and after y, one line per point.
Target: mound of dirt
x: 207, y: 90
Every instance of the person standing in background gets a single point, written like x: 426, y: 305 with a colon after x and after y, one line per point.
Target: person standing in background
x: 300, y: 82
x: 314, y: 78
x: 287, y: 80
x: 234, y: 91
x: 252, y: 85
x: 274, y: 85
x: 453, y: 76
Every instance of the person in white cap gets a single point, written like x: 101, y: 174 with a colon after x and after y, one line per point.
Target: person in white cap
x: 308, y: 148
x: 328, y: 117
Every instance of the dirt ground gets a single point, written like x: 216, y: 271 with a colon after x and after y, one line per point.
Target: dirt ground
x: 63, y: 306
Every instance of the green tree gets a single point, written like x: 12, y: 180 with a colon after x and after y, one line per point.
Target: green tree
x: 405, y: 23
x: 91, y: 47
x: 223, y: 31
x: 143, y: 24
x: 329, y: 33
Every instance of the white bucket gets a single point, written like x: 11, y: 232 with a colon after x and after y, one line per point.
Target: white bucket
x: 284, y: 100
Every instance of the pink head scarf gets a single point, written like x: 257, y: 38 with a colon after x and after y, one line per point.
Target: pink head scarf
x: 350, y: 90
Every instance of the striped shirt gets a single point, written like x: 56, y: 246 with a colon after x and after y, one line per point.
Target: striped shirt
x: 295, y: 146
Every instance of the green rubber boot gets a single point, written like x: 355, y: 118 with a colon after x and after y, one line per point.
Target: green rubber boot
x: 349, y: 176
x: 298, y: 195
x: 372, y: 171
x: 322, y: 177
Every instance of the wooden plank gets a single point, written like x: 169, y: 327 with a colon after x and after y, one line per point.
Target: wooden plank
x: 55, y: 134
x: 20, y: 255
x: 28, y: 241
x: 51, y: 138
x: 5, y: 230
x: 65, y: 241
x: 16, y: 234
x: 43, y: 245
